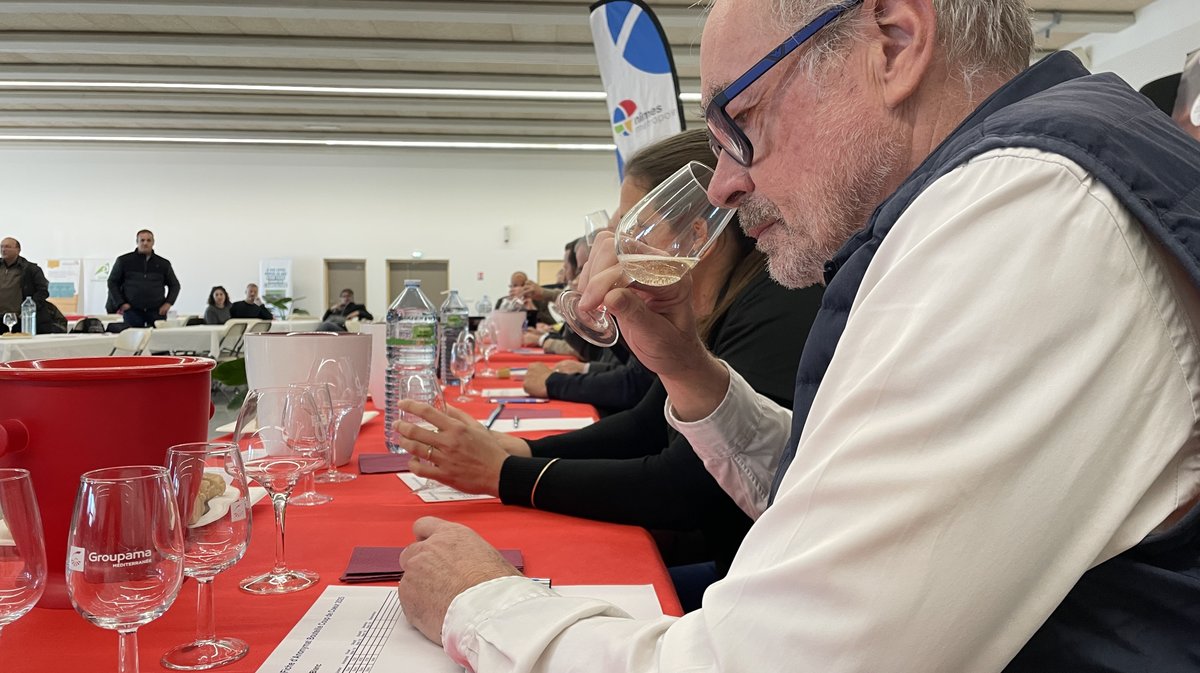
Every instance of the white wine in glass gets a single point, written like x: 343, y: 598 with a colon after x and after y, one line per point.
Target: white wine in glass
x: 22, y: 546
x: 125, y: 552
x: 657, y: 242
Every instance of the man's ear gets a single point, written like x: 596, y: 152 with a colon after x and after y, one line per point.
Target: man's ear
x: 903, y: 34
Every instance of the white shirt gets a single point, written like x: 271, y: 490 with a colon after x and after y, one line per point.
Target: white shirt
x: 1013, y: 401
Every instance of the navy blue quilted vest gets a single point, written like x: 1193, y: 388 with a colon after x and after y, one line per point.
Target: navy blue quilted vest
x: 1138, y: 612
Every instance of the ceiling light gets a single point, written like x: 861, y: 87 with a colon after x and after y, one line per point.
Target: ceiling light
x: 328, y: 142
x: 411, y: 92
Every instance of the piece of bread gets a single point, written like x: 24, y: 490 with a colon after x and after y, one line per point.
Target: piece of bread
x: 211, y: 486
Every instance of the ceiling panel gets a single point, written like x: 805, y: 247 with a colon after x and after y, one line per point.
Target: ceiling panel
x: 538, y: 45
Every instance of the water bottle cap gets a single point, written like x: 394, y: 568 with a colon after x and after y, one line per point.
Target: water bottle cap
x: 412, y: 282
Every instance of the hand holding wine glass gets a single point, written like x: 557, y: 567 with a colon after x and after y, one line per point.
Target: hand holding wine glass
x: 657, y: 242
x: 212, y: 493
x: 125, y: 553
x: 22, y: 547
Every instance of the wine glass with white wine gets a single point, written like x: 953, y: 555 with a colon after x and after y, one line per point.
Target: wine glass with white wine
x: 657, y: 242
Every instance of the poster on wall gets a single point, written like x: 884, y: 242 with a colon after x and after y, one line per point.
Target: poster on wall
x: 275, y: 282
x: 95, y: 286
x: 64, y: 276
x: 1187, y: 101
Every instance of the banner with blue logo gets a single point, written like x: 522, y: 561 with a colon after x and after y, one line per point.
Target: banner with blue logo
x: 638, y: 74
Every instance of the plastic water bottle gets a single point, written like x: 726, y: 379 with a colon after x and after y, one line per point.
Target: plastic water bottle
x: 29, y: 316
x: 454, y: 317
x: 411, y: 342
x: 484, y: 306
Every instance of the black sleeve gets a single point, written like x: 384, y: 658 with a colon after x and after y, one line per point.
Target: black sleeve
x: 115, y: 277
x: 763, y: 335
x: 39, y: 287
x: 328, y: 312
x: 172, y: 285
x: 618, y: 388
x: 645, y: 479
x: 633, y: 433
x: 364, y: 314
x: 264, y: 313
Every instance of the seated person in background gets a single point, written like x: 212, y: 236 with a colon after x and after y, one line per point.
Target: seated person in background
x: 631, y: 467
x: 250, y: 307
x: 218, y: 311
x: 335, y: 318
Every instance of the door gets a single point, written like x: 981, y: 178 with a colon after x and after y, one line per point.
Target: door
x: 341, y: 274
x: 434, y: 275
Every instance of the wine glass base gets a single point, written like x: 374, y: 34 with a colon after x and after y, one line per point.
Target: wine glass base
x: 335, y: 477
x: 283, y: 583
x: 596, y: 327
x: 204, y: 654
x: 464, y: 398
x: 310, y: 499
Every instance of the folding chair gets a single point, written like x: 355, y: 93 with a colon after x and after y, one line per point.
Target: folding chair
x: 132, y: 341
x: 231, y: 342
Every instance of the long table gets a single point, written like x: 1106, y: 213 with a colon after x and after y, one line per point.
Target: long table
x: 373, y: 510
x: 55, y: 346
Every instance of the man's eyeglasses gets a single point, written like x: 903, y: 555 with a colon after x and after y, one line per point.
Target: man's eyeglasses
x: 724, y: 135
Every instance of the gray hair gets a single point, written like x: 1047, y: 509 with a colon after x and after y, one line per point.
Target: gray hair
x: 988, y: 37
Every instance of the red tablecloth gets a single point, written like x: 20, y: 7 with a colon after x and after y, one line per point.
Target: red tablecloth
x: 373, y: 510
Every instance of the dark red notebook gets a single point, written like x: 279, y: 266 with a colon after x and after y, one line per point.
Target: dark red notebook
x: 382, y: 564
x: 377, y: 463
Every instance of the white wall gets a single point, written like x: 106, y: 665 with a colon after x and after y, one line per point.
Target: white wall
x: 216, y: 211
x: 1155, y: 46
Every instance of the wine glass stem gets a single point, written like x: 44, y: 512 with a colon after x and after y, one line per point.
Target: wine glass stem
x: 331, y: 455
x: 462, y: 387
x: 279, y: 502
x: 127, y: 652
x: 206, y: 618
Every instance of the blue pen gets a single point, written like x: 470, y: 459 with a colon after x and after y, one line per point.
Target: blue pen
x: 519, y: 400
x: 491, y: 419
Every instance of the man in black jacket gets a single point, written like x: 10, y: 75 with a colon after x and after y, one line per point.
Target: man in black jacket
x: 251, y: 306
x: 20, y: 278
x: 137, y: 281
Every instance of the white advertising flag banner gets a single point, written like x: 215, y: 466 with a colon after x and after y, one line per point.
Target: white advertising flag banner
x: 638, y: 74
x: 275, y: 281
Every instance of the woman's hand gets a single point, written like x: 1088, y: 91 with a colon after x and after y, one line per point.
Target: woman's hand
x: 461, y: 453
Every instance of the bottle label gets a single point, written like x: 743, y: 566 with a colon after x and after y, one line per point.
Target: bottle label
x: 455, y: 320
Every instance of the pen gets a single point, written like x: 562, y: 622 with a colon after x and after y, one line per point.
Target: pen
x: 491, y: 419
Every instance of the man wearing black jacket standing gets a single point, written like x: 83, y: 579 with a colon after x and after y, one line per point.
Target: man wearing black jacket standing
x: 137, y: 281
x: 20, y: 278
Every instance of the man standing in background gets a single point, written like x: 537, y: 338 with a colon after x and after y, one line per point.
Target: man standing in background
x: 20, y: 278
x: 137, y: 281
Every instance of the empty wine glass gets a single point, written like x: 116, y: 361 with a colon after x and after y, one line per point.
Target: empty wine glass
x: 22, y: 547
x: 277, y: 430
x: 10, y: 319
x: 488, y: 342
x: 305, y: 494
x: 657, y: 241
x: 462, y: 365
x: 419, y: 384
x: 212, y: 494
x: 125, y: 552
x: 347, y: 394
